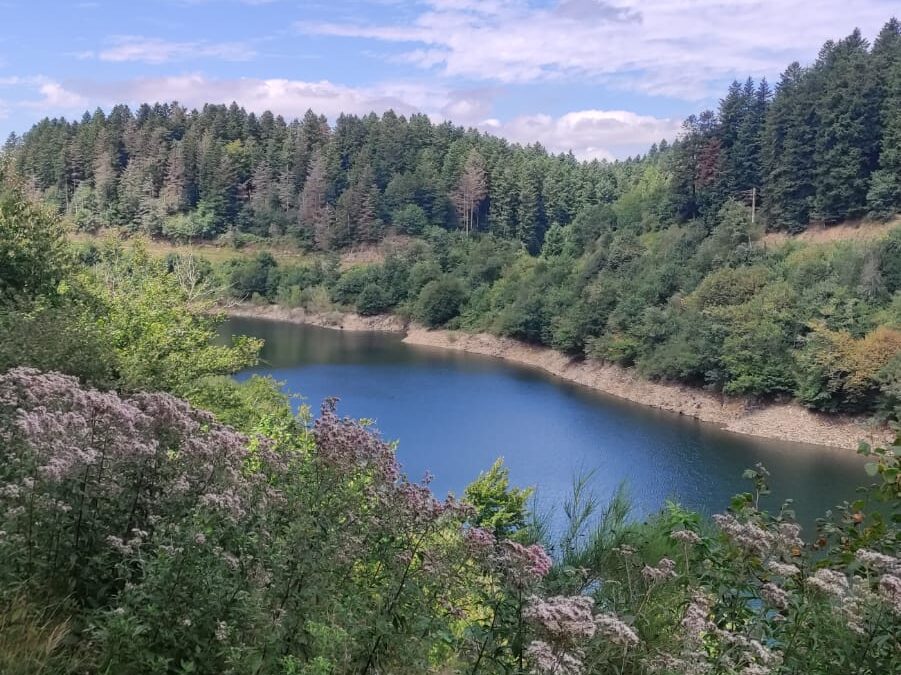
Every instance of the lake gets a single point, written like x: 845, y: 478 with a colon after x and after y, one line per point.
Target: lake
x: 454, y: 414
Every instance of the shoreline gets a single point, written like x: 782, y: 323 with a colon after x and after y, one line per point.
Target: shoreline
x: 789, y: 422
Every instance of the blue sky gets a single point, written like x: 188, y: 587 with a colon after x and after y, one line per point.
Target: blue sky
x: 603, y: 78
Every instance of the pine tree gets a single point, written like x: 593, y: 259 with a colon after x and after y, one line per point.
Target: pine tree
x: 531, y: 225
x: 175, y: 194
x: 788, y: 161
x: 472, y: 188
x: 884, y: 196
x: 847, y: 130
x: 314, y: 216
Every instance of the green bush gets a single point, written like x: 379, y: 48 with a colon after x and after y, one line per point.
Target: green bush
x: 372, y: 300
x: 440, y: 301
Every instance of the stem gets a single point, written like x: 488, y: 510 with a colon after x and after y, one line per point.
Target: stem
x: 390, y: 607
x: 484, y: 645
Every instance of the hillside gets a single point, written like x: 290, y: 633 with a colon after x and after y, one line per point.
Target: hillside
x: 756, y: 255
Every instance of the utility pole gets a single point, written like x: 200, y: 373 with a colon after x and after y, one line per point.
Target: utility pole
x: 753, y: 205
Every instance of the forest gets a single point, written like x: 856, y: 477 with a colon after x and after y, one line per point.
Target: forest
x: 822, y: 146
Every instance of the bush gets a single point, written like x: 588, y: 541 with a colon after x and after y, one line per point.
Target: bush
x: 372, y: 300
x: 440, y: 301
x: 351, y: 284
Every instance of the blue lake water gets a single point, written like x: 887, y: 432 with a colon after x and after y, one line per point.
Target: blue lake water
x: 454, y: 414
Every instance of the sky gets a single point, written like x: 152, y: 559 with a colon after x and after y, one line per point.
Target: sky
x: 601, y: 78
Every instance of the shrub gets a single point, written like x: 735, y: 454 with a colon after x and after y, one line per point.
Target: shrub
x: 440, y: 301
x: 372, y: 300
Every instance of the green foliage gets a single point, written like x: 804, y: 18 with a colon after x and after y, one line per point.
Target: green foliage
x: 499, y: 508
x: 440, y: 301
x: 36, y: 257
x: 410, y: 219
x: 372, y: 300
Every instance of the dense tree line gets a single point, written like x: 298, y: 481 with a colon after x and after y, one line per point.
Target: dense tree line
x: 823, y: 146
x: 165, y: 170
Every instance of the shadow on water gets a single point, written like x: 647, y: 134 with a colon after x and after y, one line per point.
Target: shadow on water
x: 454, y: 413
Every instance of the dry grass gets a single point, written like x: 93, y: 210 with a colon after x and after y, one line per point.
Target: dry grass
x: 859, y: 230
x: 30, y: 639
x: 219, y: 253
x: 215, y: 253
x: 375, y: 253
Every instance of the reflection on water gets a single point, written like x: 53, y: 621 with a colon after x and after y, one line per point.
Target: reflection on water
x: 454, y: 413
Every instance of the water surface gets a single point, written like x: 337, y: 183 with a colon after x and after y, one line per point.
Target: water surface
x: 455, y: 413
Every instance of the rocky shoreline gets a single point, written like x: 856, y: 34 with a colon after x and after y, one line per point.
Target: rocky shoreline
x: 778, y: 421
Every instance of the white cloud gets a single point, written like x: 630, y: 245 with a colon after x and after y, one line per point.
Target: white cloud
x: 287, y: 97
x: 156, y: 50
x: 57, y: 96
x: 589, y: 134
x: 54, y: 97
x: 669, y: 47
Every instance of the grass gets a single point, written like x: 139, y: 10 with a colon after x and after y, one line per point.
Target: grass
x: 214, y: 252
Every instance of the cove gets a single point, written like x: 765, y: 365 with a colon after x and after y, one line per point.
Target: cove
x: 455, y: 413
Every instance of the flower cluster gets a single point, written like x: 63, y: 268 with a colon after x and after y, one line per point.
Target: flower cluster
x: 564, y: 624
x: 774, y: 595
x: 686, y: 537
x: 615, y: 629
x: 525, y: 564
x: 546, y: 661
x: 563, y: 618
x: 829, y: 582
x: 662, y: 571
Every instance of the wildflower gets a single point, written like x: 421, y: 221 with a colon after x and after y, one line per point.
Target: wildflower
x: 222, y: 631
x: 563, y: 617
x: 748, y: 536
x: 789, y: 538
x: 686, y: 537
x: 615, y: 630
x: 855, y: 604
x: 186, y: 622
x: 547, y: 662
x: 665, y: 569
x: 829, y: 582
x: 121, y: 546
x: 526, y: 563
x: 774, y: 595
x: 479, y: 541
x: 890, y: 591
x: 877, y: 561
x: 230, y: 561
x: 625, y: 551
x: 763, y: 654
x: 696, y: 622
x: 755, y: 669
x: 200, y: 538
x: 782, y: 569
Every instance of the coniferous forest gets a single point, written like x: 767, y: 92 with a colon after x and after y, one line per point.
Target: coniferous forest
x: 821, y: 146
x: 158, y: 516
